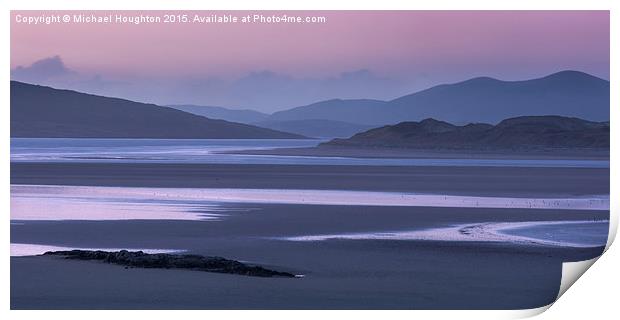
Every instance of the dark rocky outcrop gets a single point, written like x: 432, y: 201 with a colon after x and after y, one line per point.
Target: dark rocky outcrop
x: 520, y: 133
x: 139, y: 259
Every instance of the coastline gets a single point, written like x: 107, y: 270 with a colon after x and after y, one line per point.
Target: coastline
x: 436, y: 276
x: 476, y: 181
x: 402, y: 153
x: 338, y: 274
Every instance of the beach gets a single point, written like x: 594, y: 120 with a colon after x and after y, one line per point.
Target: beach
x: 358, y: 236
x: 365, y: 274
x: 511, y: 181
x: 371, y: 275
x: 306, y: 160
x: 406, y: 153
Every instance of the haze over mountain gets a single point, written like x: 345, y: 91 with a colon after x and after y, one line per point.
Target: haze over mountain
x: 520, y: 133
x: 38, y: 111
x: 566, y: 93
x: 272, y: 69
x: 362, y: 111
x: 247, y: 116
x: 316, y: 128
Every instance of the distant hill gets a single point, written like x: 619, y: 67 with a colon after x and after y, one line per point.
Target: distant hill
x: 246, y: 116
x: 316, y: 128
x: 566, y: 93
x: 361, y: 111
x: 520, y: 133
x: 45, y: 112
x: 38, y: 111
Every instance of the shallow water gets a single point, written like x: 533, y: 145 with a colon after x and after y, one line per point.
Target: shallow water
x: 582, y: 233
x: 258, y: 225
x: 551, y: 233
x: 47, y: 203
x: 125, y: 203
x: 27, y: 249
x: 206, y: 151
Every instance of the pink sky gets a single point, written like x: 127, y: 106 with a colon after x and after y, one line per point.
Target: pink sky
x: 417, y: 48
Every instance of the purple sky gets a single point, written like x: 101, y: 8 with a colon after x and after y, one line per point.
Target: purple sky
x: 270, y: 67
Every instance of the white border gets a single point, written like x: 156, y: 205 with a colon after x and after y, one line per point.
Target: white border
x: 596, y: 296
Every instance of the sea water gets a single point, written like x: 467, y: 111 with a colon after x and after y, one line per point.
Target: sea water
x: 210, y: 151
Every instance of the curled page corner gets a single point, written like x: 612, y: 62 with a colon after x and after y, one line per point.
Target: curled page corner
x: 527, y: 313
x: 613, y: 230
x: 571, y: 271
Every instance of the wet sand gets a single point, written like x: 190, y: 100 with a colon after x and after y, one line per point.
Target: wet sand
x: 383, y: 276
x: 479, y: 181
x: 339, y: 274
x: 402, y: 153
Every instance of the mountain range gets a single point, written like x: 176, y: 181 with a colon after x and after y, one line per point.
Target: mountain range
x: 483, y: 99
x: 567, y: 93
x: 38, y: 111
x: 246, y: 116
x: 317, y: 128
x: 520, y: 133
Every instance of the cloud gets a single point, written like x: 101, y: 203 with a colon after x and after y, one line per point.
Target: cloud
x: 42, y: 71
x: 53, y: 72
x: 270, y: 91
x: 264, y: 90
